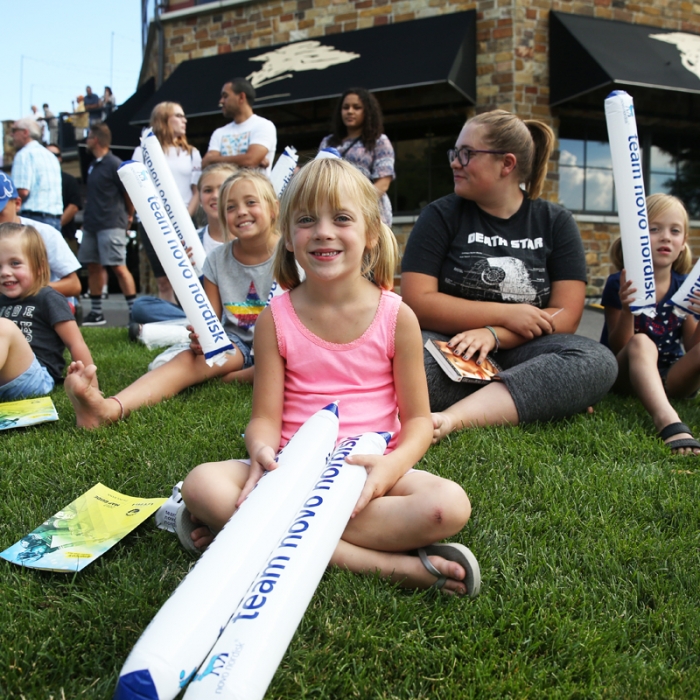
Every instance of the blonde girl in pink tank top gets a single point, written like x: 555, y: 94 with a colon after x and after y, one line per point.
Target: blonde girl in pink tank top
x: 341, y: 334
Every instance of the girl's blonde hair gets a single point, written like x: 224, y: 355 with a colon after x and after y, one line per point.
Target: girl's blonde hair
x: 657, y: 205
x: 228, y: 168
x: 161, y: 128
x: 34, y: 250
x: 529, y: 140
x: 326, y: 181
x: 263, y: 187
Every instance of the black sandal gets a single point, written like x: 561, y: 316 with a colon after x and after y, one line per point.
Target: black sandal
x: 674, y: 429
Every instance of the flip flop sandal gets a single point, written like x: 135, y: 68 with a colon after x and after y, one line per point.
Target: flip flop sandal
x: 184, y: 528
x: 453, y: 551
x: 674, y: 429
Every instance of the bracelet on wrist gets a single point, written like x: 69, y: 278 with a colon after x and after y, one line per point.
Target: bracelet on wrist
x: 495, y: 337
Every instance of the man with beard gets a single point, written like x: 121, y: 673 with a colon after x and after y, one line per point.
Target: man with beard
x: 249, y: 141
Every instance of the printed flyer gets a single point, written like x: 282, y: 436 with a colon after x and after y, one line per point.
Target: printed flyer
x: 19, y: 414
x: 82, y: 531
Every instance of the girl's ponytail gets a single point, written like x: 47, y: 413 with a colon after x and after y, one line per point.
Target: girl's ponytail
x: 379, y: 262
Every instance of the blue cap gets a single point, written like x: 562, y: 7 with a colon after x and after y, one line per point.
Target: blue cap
x: 137, y: 685
x: 328, y: 152
x: 8, y: 190
x: 387, y: 437
x: 332, y: 407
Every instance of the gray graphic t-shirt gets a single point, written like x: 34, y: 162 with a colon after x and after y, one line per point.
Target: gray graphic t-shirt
x: 245, y: 290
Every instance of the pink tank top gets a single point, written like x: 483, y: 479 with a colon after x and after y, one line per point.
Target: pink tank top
x: 358, y: 374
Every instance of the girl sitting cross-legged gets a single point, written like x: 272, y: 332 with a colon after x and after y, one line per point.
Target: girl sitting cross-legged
x: 341, y: 334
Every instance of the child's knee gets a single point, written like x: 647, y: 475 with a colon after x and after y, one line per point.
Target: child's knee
x: 641, y: 344
x: 8, y: 329
x: 197, y: 483
x: 449, y: 509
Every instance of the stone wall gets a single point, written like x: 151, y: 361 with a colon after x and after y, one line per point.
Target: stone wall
x: 512, y: 53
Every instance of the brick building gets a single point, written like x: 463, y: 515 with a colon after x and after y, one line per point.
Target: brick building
x: 553, y: 60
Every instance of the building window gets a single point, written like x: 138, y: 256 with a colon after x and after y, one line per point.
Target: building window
x: 422, y: 173
x: 670, y: 164
x: 675, y: 169
x: 585, y: 176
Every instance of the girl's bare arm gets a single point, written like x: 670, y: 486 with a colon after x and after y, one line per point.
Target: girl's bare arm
x: 414, y: 410
x: 72, y: 338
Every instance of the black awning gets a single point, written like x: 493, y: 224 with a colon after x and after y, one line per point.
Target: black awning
x: 395, y: 56
x: 587, y: 53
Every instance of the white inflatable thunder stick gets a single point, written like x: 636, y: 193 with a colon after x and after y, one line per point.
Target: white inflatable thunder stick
x: 173, y: 258
x: 175, y: 208
x: 682, y: 298
x: 631, y: 200
x: 246, y: 656
x: 328, y: 152
x: 183, y: 632
x: 284, y: 169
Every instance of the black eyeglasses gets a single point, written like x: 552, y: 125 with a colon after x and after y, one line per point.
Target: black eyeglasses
x: 464, y: 154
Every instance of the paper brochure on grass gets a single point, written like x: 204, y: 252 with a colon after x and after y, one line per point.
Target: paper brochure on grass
x: 20, y: 414
x: 82, y: 531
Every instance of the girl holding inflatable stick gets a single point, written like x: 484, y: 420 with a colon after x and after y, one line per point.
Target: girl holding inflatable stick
x: 337, y: 334
x: 649, y: 351
x: 238, y: 280
x: 148, y: 309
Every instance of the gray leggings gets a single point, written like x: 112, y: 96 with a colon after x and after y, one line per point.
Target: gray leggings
x: 550, y: 377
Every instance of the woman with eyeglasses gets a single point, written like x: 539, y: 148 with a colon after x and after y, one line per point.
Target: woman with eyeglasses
x: 357, y: 135
x: 493, y: 269
x: 169, y: 125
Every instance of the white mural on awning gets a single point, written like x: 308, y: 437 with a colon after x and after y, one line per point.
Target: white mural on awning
x: 687, y: 44
x: 282, y: 63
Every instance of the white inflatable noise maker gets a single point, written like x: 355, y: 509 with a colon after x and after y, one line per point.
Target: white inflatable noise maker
x: 626, y: 156
x: 173, y: 258
x: 284, y: 169
x: 246, y: 656
x: 174, y: 205
x: 182, y: 633
x: 680, y: 301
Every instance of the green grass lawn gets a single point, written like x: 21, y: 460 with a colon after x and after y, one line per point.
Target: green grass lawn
x: 587, y: 532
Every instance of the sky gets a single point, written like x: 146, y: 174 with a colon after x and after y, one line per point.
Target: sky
x: 52, y: 49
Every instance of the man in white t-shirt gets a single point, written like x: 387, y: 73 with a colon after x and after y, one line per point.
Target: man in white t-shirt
x: 249, y: 141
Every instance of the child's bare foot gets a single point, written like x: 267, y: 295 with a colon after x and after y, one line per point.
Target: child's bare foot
x: 91, y: 408
x: 443, y: 425
x: 202, y: 536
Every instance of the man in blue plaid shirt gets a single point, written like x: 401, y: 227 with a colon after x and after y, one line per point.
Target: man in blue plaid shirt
x: 36, y: 173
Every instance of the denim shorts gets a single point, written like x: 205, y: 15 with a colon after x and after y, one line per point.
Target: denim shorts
x: 246, y: 350
x: 36, y: 381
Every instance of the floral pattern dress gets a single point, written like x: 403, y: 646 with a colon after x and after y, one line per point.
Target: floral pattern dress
x: 373, y: 164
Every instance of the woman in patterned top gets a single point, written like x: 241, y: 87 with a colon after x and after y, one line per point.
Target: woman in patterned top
x: 357, y: 135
